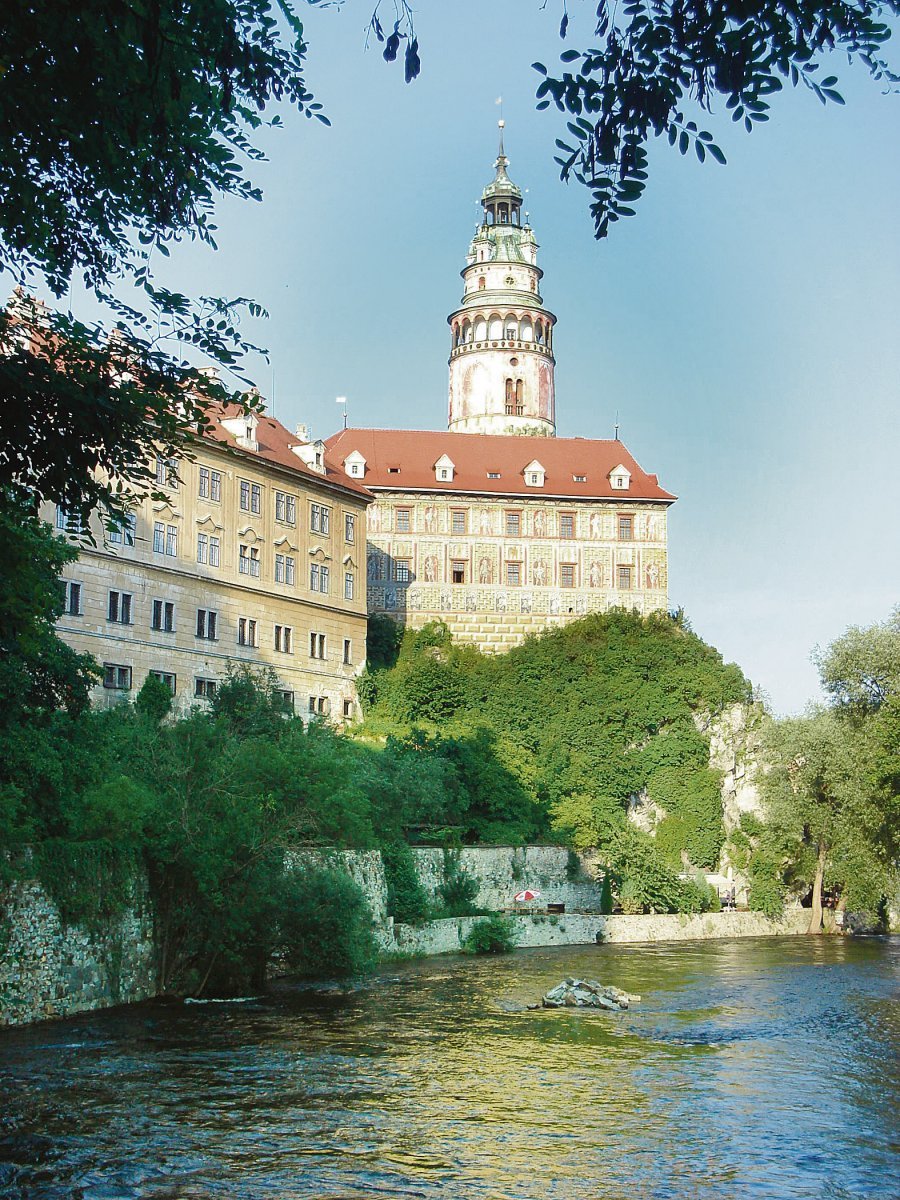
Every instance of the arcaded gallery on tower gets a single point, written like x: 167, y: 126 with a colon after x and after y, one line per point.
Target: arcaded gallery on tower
x: 496, y: 526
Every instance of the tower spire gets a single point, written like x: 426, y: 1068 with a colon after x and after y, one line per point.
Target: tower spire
x: 501, y: 358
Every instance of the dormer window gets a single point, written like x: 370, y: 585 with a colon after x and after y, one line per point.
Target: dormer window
x: 313, y: 454
x: 579, y: 478
x: 620, y: 478
x: 243, y: 428
x: 444, y: 469
x: 355, y: 465
x: 534, y: 474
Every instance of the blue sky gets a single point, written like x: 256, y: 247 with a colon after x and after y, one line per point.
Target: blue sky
x: 744, y: 325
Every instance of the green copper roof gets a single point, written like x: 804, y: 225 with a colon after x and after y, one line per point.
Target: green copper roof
x: 501, y: 185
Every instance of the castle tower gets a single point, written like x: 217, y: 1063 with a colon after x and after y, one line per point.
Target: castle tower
x: 501, y: 356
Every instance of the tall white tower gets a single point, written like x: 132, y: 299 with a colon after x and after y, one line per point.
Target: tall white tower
x: 501, y: 357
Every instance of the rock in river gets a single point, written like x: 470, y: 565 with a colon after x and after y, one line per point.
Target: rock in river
x: 587, y: 993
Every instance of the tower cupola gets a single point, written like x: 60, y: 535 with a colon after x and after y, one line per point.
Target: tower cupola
x: 501, y: 355
x: 502, y: 199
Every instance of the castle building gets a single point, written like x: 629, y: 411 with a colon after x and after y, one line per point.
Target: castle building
x: 495, y: 533
x: 256, y: 556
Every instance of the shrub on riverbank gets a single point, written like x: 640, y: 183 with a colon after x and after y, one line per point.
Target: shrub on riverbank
x: 494, y: 935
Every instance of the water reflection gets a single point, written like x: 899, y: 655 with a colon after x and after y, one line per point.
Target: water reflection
x: 751, y: 1069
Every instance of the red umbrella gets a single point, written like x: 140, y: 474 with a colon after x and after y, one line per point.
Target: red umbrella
x: 528, y: 894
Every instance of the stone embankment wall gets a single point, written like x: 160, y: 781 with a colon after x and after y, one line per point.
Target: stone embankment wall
x: 48, y: 969
x: 580, y: 929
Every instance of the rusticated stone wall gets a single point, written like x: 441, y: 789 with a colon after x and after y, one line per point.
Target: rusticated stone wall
x: 48, y: 969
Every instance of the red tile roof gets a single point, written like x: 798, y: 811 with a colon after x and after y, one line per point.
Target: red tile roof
x: 474, y: 455
x: 275, y: 442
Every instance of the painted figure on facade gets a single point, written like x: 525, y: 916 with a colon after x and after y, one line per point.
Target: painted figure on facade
x: 539, y: 573
x: 484, y: 571
x: 540, y: 523
x: 430, y: 566
x: 596, y: 575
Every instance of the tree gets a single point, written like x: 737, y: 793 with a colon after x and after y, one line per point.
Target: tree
x: 38, y: 672
x: 833, y: 793
x: 120, y: 126
x: 653, y: 61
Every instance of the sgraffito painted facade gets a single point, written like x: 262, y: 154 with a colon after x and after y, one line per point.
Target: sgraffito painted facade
x: 496, y: 526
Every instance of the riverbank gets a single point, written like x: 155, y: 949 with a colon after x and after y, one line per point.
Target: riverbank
x: 585, y: 929
x: 49, y: 969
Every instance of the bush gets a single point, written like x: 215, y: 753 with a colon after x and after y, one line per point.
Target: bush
x: 494, y: 935
x: 458, y: 890
x: 154, y: 700
x: 324, y: 924
x: 407, y: 900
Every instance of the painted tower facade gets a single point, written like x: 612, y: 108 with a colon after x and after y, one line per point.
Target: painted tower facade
x: 501, y: 355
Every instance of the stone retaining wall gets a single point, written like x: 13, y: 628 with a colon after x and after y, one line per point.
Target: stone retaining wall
x: 580, y: 929
x: 48, y: 969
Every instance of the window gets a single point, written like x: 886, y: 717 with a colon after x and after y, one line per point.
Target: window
x: 458, y: 520
x: 247, y: 632
x: 566, y: 525
x: 215, y: 485
x: 625, y: 578
x: 202, y: 548
x: 166, y: 473
x: 349, y: 585
x: 393, y: 470
x: 285, y: 569
x: 116, y: 677
x: 286, y: 698
x: 319, y: 578
x: 165, y: 539
x: 349, y: 527
x: 203, y: 484
x: 118, y: 607
x: 251, y: 497
x: 348, y: 710
x: 284, y: 639
x: 165, y: 677
x: 458, y: 571
x: 513, y: 574
x: 286, y: 508
x: 402, y: 520
x: 72, y: 601
x: 625, y: 528
x: 401, y: 570
x: 513, y: 524
x: 318, y: 706
x: 163, y: 616
x: 123, y: 531
x: 317, y: 645
x: 580, y: 478
x: 213, y: 551
x: 205, y: 689
x: 207, y: 622
x: 533, y: 477
x: 319, y: 518
x: 348, y: 649
x: 443, y: 473
x: 69, y: 522
x: 567, y: 575
x: 248, y: 560
x: 493, y: 474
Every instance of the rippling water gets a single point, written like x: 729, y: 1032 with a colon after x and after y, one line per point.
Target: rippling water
x: 750, y: 1069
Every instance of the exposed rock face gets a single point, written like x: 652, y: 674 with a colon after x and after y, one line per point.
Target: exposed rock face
x: 735, y: 738
x: 587, y: 993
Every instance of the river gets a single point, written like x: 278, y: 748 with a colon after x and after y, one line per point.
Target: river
x: 751, y: 1068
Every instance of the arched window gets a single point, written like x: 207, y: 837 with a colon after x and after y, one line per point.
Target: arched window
x: 482, y: 283
x: 520, y: 391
